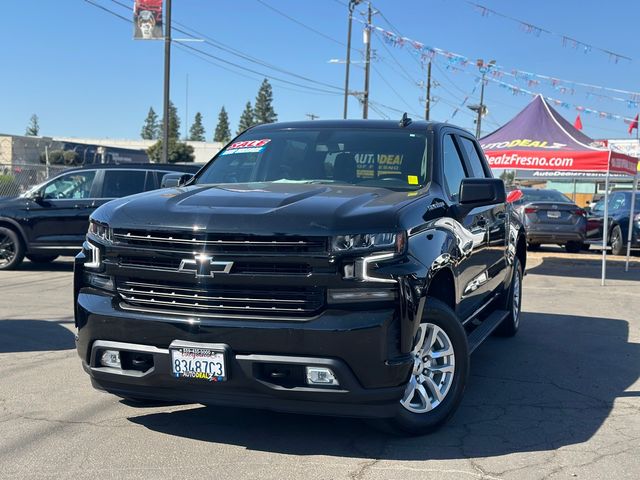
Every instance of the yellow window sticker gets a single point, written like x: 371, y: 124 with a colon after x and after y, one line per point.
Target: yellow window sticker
x: 412, y: 179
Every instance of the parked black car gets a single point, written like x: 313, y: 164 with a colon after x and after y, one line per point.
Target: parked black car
x: 51, y: 219
x: 550, y: 217
x: 331, y: 267
x: 618, y: 229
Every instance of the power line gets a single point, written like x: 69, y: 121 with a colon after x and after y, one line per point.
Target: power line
x: 221, y: 46
x: 303, y: 25
x: 220, y: 59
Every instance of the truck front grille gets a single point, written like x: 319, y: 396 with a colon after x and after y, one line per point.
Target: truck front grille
x: 216, y: 300
x: 220, y: 243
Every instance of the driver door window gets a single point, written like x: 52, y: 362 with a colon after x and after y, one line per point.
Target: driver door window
x: 72, y: 186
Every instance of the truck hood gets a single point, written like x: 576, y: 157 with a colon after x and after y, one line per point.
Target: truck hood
x: 263, y: 208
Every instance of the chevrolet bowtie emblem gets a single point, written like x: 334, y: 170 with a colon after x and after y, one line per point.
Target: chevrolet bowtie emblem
x: 204, y: 266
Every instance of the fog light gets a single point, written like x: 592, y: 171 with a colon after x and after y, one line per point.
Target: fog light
x: 102, y: 282
x: 321, y: 376
x: 360, y: 295
x: 110, y: 358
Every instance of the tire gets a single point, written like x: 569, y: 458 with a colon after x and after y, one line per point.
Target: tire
x: 42, y: 258
x: 11, y: 249
x: 574, y: 247
x: 533, y: 246
x: 512, y: 303
x: 617, y: 242
x: 586, y: 247
x: 420, y: 411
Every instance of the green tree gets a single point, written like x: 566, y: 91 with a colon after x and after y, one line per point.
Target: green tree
x: 151, y: 127
x: 247, y: 119
x: 223, y: 132
x: 196, y: 132
x: 174, y: 123
x: 179, y: 152
x: 33, y: 129
x: 263, y: 111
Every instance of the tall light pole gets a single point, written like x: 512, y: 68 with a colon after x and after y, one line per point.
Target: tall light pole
x: 352, y: 6
x: 167, y: 79
x: 367, y: 41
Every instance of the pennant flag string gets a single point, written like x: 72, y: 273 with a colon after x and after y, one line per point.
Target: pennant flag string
x: 564, y: 86
x: 537, y: 31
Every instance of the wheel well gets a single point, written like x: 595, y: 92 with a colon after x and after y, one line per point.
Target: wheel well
x: 443, y: 287
x: 11, y: 226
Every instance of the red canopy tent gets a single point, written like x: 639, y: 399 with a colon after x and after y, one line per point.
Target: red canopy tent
x: 539, y: 138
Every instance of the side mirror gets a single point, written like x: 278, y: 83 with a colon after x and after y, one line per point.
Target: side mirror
x: 478, y: 192
x: 175, y: 179
x: 37, y: 197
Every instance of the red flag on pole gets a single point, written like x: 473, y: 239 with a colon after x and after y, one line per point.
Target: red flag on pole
x: 633, y: 124
x: 578, y: 123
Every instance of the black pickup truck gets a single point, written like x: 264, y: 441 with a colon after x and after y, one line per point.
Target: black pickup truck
x: 328, y: 267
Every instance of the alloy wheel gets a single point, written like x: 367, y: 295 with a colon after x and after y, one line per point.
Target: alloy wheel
x: 516, y: 298
x: 433, y: 370
x: 7, y: 249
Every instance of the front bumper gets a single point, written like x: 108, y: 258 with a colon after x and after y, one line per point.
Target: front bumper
x: 361, y: 347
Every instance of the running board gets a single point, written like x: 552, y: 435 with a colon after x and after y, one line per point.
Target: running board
x: 487, y: 326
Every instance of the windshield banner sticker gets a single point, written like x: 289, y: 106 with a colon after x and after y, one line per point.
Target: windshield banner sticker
x: 247, y: 146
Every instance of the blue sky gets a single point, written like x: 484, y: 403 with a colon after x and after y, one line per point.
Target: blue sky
x: 78, y: 68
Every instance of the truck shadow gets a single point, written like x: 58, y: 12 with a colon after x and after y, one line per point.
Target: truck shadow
x: 553, y: 385
x: 35, y: 335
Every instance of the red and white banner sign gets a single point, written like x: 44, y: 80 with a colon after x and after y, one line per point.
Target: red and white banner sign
x: 562, y: 160
x: 147, y: 20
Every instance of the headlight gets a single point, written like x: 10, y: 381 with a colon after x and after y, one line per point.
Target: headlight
x: 365, y: 242
x: 100, y: 231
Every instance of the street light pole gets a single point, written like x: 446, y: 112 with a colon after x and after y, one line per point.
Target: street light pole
x: 367, y: 41
x: 352, y: 5
x: 167, y: 79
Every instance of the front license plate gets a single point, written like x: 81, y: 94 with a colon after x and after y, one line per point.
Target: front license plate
x: 198, y: 364
x: 552, y: 214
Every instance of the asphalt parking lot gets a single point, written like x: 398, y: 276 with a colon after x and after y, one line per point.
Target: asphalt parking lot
x: 560, y: 400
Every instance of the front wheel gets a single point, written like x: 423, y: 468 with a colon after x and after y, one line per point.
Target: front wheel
x: 11, y: 249
x: 439, y: 374
x: 512, y: 303
x: 617, y: 244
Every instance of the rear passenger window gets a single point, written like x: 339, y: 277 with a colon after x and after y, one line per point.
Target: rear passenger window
x: 120, y: 183
x: 474, y: 158
x: 453, y: 167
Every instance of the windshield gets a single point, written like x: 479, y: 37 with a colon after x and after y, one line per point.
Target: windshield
x: 542, y: 196
x: 393, y: 159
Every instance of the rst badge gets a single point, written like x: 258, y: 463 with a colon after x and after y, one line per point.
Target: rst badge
x: 204, y: 266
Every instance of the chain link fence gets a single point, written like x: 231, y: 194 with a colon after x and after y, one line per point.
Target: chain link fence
x: 20, y: 177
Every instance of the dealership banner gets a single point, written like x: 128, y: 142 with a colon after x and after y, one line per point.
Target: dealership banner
x: 539, y: 138
x: 147, y: 20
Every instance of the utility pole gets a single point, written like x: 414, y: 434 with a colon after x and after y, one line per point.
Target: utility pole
x: 482, y: 109
x: 352, y: 5
x: 367, y: 41
x: 427, y: 107
x: 311, y: 116
x: 167, y: 79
